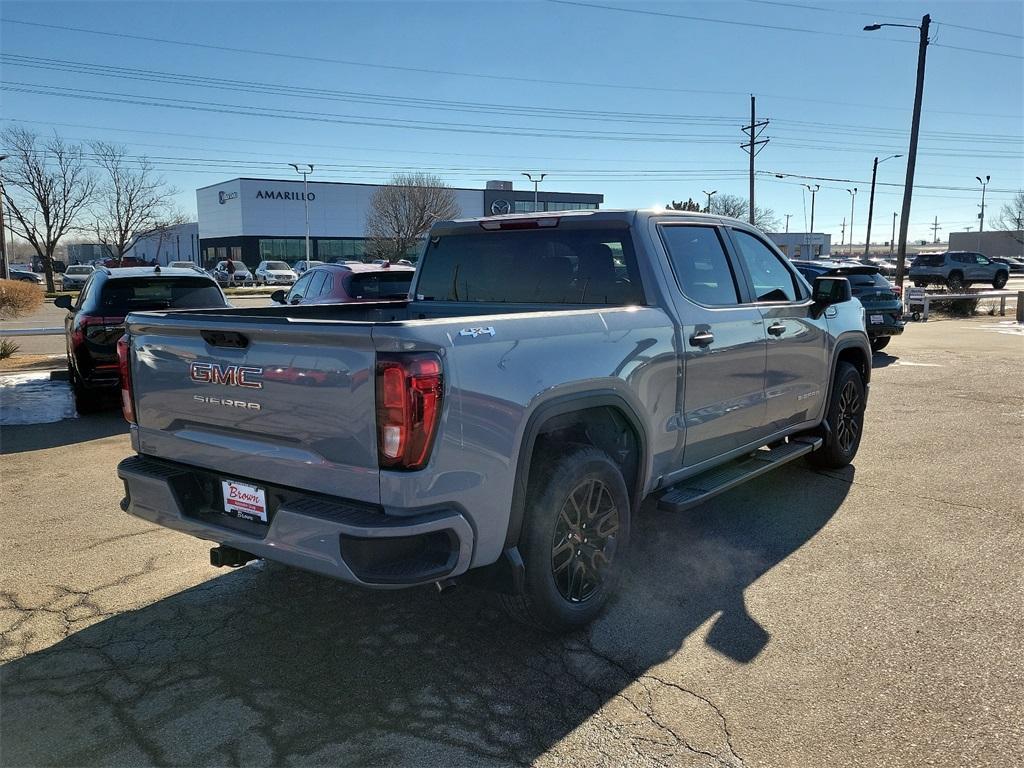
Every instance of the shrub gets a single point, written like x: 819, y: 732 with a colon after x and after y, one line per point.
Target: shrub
x: 18, y: 298
x: 8, y: 348
x: 956, y: 307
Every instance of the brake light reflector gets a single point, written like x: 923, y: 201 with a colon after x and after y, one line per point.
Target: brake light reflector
x: 409, y: 393
x: 124, y: 366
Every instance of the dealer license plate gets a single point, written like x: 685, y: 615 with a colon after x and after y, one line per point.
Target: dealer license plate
x: 248, y: 502
x: 877, y: 319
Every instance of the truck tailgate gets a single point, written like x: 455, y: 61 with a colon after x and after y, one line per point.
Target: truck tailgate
x: 285, y: 403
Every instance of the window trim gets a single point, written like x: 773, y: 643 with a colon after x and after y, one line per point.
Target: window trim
x: 742, y: 294
x: 799, y: 282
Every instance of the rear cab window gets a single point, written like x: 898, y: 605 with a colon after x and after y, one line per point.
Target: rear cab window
x: 586, y: 266
x: 700, y: 264
x: 138, y: 294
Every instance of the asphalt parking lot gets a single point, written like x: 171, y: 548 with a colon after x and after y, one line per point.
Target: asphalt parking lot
x: 865, y: 617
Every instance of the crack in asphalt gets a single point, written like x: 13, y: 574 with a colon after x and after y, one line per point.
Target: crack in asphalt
x: 918, y: 496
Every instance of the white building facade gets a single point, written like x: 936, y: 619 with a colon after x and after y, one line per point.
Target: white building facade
x: 256, y: 219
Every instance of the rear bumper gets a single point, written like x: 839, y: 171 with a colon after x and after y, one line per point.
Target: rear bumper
x: 354, y: 543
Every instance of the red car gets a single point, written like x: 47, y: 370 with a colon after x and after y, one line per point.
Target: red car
x: 340, y: 283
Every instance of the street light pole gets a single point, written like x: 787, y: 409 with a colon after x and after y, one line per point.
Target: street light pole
x: 787, y: 222
x: 981, y: 216
x: 814, y: 191
x: 871, y: 201
x: 892, y: 240
x: 305, y: 199
x: 915, y: 128
x: 536, y: 182
x: 853, y: 198
x: 709, y: 194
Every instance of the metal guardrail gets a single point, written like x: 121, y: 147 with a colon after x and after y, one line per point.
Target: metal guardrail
x: 924, y: 299
x: 32, y: 331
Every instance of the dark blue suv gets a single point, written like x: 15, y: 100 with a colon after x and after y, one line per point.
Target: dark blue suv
x: 883, y: 308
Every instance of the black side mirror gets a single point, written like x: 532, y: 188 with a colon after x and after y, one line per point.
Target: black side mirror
x: 278, y: 296
x: 64, y: 302
x: 831, y: 290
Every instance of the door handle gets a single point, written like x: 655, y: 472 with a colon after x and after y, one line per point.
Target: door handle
x: 776, y: 329
x: 701, y: 337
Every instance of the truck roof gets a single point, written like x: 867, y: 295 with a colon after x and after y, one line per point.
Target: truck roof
x: 625, y: 215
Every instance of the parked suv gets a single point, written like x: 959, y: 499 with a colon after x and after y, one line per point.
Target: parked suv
x: 338, y: 283
x: 957, y: 270
x: 95, y: 321
x: 274, y: 273
x: 74, y: 277
x: 883, y: 308
x: 242, y: 274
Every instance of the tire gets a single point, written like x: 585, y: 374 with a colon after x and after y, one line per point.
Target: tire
x: 845, y: 416
x: 880, y: 342
x: 955, y: 281
x: 562, y: 589
x: 1000, y: 280
x: 86, y: 401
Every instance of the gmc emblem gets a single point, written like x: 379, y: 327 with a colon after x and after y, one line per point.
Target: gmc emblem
x: 228, y: 375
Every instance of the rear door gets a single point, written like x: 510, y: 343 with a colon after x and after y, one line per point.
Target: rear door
x: 796, y: 371
x: 723, y: 343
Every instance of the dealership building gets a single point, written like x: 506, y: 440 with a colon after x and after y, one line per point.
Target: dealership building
x: 256, y: 219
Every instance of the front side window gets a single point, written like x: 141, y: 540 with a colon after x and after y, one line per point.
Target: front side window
x: 772, y: 280
x: 299, y: 289
x: 981, y: 259
x: 700, y: 265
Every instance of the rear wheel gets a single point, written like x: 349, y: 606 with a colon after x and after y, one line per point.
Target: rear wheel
x: 86, y: 400
x: 955, y: 281
x: 575, y: 536
x: 1000, y: 280
x: 880, y: 342
x: 845, y: 417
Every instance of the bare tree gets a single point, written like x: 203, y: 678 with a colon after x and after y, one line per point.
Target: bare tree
x: 133, y: 201
x: 48, y: 187
x: 1011, y: 217
x: 689, y: 205
x: 736, y: 207
x: 403, y: 211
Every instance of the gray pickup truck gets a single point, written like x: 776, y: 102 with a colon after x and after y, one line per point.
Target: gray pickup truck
x: 502, y: 426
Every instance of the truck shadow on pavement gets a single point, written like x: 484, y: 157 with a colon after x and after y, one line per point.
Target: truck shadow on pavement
x: 19, y: 438
x: 265, y: 665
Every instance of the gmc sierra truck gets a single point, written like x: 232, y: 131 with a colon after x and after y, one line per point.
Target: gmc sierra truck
x: 503, y: 425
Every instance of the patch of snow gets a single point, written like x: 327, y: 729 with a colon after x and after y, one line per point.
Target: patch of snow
x: 31, y: 398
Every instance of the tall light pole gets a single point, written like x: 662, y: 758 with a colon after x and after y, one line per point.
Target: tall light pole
x: 305, y: 198
x: 787, y: 222
x: 892, y: 240
x: 981, y: 216
x: 709, y: 194
x: 853, y: 198
x: 536, y: 182
x: 814, y: 191
x: 915, y: 128
x: 3, y: 235
x: 871, y: 201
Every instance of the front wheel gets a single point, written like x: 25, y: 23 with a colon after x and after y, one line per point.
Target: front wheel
x: 879, y: 343
x: 576, y: 531
x: 955, y: 282
x: 845, y: 417
x: 1000, y: 280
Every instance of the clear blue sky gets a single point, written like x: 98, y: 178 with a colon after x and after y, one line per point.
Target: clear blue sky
x: 670, y: 94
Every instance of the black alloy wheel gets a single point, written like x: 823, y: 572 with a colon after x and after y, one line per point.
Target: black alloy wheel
x: 584, y: 540
x: 848, y: 421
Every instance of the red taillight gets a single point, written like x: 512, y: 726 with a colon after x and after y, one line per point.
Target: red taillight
x: 92, y: 326
x: 124, y: 366
x: 897, y: 290
x: 409, y: 391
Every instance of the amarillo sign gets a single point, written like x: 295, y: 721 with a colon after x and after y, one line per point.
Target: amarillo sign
x: 270, y: 194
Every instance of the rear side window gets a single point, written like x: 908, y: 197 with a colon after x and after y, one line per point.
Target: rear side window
x: 772, y: 281
x: 700, y: 265
x: 543, y: 266
x: 137, y: 294
x: 380, y: 285
x: 930, y: 260
x: 316, y: 284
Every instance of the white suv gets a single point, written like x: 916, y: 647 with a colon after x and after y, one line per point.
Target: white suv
x: 274, y: 273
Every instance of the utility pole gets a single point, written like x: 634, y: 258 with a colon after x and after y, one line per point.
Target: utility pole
x: 790, y: 214
x: 305, y: 200
x: 754, y: 146
x: 981, y: 216
x: 709, y: 194
x: 842, y: 230
x: 853, y: 197
x: 871, y: 201
x: 935, y: 230
x: 892, y: 240
x: 915, y: 129
x: 536, y: 181
x: 3, y: 237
